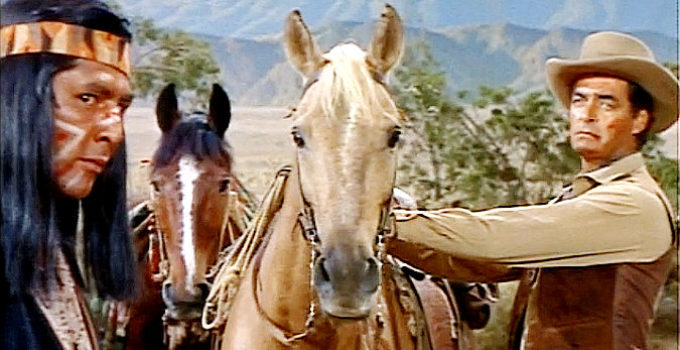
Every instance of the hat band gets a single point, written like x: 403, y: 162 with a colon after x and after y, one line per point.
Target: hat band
x: 66, y: 39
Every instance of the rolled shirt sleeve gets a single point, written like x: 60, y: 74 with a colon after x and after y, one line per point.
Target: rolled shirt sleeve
x: 612, y: 223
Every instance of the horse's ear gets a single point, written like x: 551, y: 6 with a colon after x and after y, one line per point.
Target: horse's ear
x: 301, y: 49
x: 388, y: 41
x: 167, y: 113
x: 220, y: 110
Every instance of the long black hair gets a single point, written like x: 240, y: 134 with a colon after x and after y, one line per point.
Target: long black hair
x: 37, y: 219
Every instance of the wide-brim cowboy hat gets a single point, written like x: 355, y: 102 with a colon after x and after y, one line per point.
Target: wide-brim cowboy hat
x: 623, y: 56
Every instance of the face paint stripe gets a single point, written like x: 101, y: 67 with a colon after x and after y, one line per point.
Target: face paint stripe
x: 72, y: 144
x: 188, y: 173
x: 74, y: 180
x: 68, y: 127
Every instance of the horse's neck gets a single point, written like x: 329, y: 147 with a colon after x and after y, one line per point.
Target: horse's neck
x: 284, y: 276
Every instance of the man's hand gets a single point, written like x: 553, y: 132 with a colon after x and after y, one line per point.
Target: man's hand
x: 402, y: 200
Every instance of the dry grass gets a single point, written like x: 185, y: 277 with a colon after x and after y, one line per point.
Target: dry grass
x: 259, y: 138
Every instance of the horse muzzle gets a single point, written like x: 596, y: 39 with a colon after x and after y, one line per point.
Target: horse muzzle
x: 184, y: 306
x: 346, y: 283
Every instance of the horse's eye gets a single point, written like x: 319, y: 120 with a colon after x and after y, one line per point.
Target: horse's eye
x: 297, y: 138
x: 394, y: 138
x: 155, y: 186
x: 224, y: 185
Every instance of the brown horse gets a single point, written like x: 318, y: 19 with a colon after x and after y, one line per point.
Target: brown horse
x: 196, y: 209
x: 319, y: 280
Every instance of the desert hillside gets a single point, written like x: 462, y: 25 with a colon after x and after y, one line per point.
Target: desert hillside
x: 255, y: 72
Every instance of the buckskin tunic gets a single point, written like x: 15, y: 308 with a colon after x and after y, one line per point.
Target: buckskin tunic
x: 601, y: 254
x: 56, y: 319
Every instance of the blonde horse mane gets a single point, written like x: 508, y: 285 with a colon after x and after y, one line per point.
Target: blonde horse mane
x: 346, y: 76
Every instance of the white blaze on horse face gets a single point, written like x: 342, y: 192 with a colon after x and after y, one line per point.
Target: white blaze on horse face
x: 188, y: 174
x: 346, y: 166
x: 350, y: 165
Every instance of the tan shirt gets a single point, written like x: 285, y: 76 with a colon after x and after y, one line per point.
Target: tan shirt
x: 619, y: 218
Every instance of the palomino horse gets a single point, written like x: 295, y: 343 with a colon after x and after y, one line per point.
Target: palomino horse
x: 323, y: 247
x: 195, y: 210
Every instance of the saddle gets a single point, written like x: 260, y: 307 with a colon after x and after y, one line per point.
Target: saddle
x: 449, y: 308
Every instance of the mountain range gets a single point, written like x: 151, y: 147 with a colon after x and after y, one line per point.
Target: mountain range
x: 249, y: 18
x: 255, y: 71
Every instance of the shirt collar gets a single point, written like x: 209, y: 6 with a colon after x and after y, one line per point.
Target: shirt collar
x: 616, y: 169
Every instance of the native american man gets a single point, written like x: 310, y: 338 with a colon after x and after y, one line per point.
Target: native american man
x: 65, y: 86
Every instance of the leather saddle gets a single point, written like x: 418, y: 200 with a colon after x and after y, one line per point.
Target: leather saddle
x: 449, y: 307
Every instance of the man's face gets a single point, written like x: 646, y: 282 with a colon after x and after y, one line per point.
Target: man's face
x: 602, y: 122
x: 89, y: 102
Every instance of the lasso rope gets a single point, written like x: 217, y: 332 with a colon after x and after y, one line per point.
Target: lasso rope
x: 234, y: 261
x: 239, y: 215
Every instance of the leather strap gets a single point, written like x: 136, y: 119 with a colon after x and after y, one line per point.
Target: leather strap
x: 439, y: 317
x: 519, y: 307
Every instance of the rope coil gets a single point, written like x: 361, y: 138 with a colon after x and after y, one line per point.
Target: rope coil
x: 234, y: 261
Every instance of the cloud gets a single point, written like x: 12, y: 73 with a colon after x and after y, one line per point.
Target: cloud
x: 574, y: 13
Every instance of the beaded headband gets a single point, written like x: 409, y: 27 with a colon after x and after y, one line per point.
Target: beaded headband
x: 66, y: 39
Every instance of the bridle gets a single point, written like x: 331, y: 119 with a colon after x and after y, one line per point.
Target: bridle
x: 306, y: 215
x: 157, y: 237
x: 156, y: 230
x: 310, y: 234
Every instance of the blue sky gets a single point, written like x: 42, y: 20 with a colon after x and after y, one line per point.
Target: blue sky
x: 628, y: 15
x: 246, y: 18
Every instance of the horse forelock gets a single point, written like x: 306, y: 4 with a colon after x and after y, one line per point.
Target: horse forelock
x: 192, y: 136
x: 346, y: 82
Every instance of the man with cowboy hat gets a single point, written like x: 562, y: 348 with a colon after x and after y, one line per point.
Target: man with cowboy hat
x: 63, y: 90
x: 593, y: 261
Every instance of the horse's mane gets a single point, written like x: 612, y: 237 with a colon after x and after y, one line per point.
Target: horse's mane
x: 347, y: 77
x: 192, y: 136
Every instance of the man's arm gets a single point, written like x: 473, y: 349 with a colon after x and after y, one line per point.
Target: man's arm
x: 609, y: 224
x: 438, y: 264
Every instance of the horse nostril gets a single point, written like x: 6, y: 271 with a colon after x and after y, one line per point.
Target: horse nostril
x: 371, y: 277
x: 322, y: 270
x: 166, y: 292
x: 204, y: 289
x: 371, y: 266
